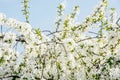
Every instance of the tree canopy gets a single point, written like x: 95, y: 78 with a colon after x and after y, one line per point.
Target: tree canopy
x: 74, y: 51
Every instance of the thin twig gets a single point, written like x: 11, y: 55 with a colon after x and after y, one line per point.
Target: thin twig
x: 92, y: 32
x: 1, y: 30
x: 88, y: 39
x: 117, y: 22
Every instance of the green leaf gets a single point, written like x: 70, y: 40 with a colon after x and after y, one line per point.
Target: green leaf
x: 38, y: 32
x: 2, y: 60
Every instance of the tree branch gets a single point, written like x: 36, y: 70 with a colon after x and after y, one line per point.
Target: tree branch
x: 11, y: 76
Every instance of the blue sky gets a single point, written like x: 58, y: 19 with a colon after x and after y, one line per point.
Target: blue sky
x: 43, y: 12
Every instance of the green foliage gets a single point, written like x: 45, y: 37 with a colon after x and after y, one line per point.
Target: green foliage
x: 25, y: 10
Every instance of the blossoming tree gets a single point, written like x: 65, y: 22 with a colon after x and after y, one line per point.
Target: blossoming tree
x: 72, y: 52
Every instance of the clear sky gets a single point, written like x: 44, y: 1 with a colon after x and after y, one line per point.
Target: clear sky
x: 43, y: 12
